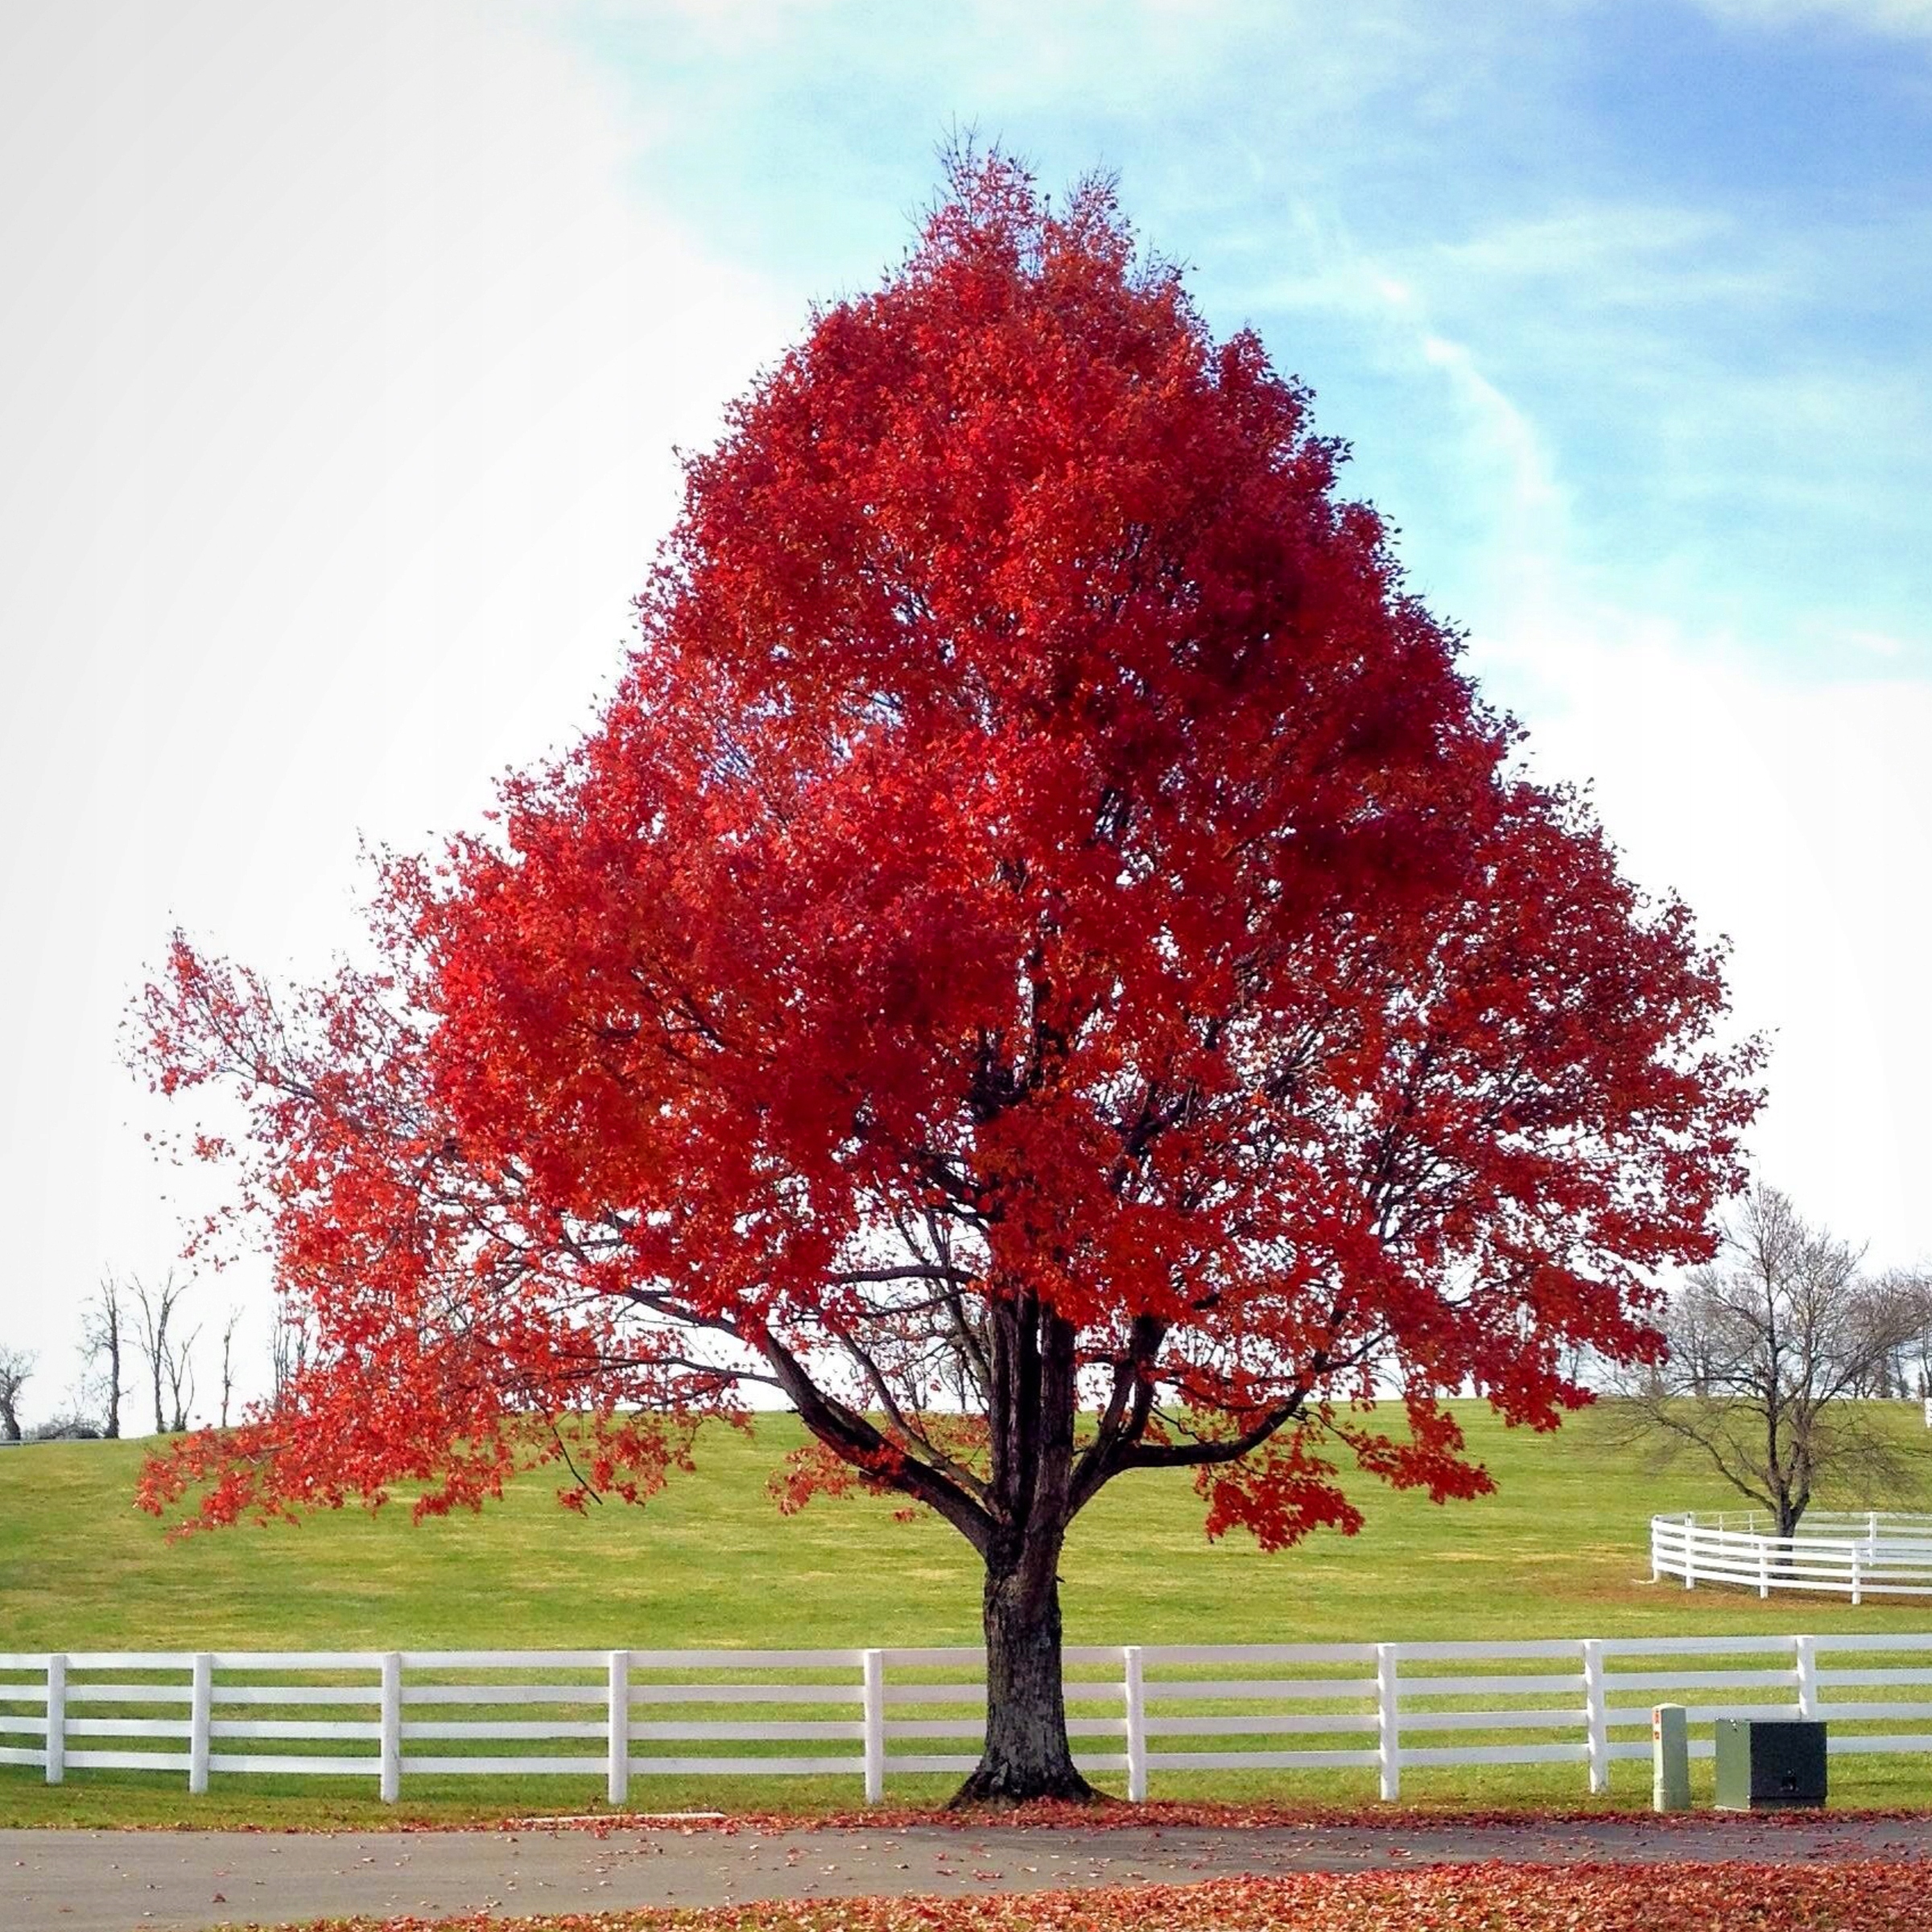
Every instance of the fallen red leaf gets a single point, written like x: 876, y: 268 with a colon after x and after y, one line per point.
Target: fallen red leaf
x: 1723, y: 1897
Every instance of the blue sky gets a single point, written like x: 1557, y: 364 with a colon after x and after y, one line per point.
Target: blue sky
x: 343, y: 352
x: 1691, y: 247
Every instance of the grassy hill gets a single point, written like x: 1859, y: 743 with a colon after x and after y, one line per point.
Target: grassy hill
x: 1560, y: 1551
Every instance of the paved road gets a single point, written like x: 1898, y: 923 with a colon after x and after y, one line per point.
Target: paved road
x: 109, y: 1881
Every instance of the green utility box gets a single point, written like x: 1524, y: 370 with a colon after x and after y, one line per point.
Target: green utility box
x: 1769, y: 1763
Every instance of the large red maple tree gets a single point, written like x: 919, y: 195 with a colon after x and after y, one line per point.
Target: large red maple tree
x: 1045, y: 965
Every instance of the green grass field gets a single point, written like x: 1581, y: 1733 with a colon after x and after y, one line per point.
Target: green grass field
x: 1560, y: 1550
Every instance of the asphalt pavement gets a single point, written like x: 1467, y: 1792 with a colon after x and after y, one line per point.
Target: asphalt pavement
x: 186, y: 1881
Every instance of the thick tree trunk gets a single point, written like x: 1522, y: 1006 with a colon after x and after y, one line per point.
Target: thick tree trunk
x: 1026, y: 1753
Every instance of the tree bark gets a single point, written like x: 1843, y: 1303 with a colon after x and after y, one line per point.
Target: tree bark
x: 1026, y: 1753
x: 111, y: 1427
x: 1031, y: 1398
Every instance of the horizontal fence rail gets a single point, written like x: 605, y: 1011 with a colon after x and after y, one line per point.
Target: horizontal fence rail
x: 871, y: 1715
x: 1853, y: 1556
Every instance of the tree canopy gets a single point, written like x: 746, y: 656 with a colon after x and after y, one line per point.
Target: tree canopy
x: 1045, y: 965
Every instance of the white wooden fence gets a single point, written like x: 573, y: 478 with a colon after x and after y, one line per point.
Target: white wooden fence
x: 1855, y: 1556
x: 1282, y: 1708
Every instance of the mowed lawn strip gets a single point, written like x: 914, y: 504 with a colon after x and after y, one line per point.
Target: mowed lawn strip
x: 1560, y: 1550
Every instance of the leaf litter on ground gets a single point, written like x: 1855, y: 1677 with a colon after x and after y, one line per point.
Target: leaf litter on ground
x: 1862, y: 1896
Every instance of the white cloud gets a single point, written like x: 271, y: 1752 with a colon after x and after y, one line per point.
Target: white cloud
x: 1792, y: 815
x: 343, y: 348
x: 1617, y: 254
x: 343, y: 373
x: 1795, y: 818
x: 1906, y: 18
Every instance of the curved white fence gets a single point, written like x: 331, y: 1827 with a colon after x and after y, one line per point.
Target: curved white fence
x: 1869, y: 1553
x: 868, y: 1716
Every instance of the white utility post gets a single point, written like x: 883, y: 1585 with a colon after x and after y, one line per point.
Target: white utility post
x: 1670, y: 1759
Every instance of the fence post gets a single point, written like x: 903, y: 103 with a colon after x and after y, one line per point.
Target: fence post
x: 201, y: 1714
x: 1136, y: 1725
x: 392, y: 1727
x: 56, y: 1719
x: 1806, y: 1649
x: 1764, y: 1569
x: 874, y: 1699
x: 1388, y: 1723
x: 1857, y: 1580
x: 1689, y: 1552
x: 1596, y: 1717
x: 617, y: 1734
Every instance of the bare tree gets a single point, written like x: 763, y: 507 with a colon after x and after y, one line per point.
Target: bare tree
x: 16, y: 1366
x: 103, y: 1337
x: 168, y: 1353
x: 1901, y: 1309
x: 288, y: 1346
x: 1771, y: 1346
x: 180, y: 1364
x: 228, y: 1360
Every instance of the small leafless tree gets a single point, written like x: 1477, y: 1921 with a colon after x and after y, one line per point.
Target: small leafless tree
x: 1901, y: 1309
x: 228, y: 1360
x: 288, y: 1345
x: 167, y: 1353
x: 16, y: 1366
x: 1771, y: 1345
x: 104, y: 1335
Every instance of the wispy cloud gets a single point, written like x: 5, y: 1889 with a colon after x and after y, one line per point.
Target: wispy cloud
x: 350, y: 343
x: 341, y: 377
x: 1905, y: 19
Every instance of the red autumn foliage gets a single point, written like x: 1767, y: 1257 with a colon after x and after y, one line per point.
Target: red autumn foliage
x: 1634, y: 1821
x: 1043, y: 965
x: 1727, y: 1897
